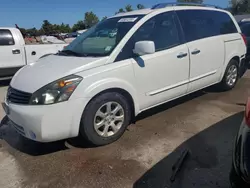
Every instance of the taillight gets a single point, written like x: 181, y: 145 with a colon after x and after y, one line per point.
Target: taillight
x: 247, y: 112
x: 244, y: 38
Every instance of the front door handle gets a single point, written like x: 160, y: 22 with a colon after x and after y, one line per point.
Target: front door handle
x: 196, y: 51
x: 181, y: 55
x: 16, y: 51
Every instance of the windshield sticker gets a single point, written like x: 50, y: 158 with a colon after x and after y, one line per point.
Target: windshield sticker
x: 108, y: 48
x: 128, y: 19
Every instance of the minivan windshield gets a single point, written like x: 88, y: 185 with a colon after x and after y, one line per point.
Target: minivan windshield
x: 101, y: 39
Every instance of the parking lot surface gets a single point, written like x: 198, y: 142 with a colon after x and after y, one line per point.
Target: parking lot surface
x: 205, y: 123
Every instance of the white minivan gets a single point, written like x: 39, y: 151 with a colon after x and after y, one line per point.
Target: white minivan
x: 99, y: 83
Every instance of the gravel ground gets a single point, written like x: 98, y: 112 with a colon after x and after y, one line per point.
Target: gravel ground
x: 205, y: 122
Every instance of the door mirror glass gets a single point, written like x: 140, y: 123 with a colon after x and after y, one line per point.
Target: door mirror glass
x: 144, y: 47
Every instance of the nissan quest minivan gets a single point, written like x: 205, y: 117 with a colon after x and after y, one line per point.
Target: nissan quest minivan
x: 99, y: 83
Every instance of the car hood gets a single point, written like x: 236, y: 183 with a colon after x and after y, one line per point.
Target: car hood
x: 48, y: 69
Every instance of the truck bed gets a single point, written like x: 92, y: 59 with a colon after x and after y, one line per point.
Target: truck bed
x: 35, y: 51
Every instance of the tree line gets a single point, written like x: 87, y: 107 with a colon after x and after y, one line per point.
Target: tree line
x: 90, y: 19
x: 239, y: 7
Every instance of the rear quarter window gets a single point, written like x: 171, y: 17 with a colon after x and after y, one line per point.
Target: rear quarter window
x: 198, y: 24
x: 6, y: 38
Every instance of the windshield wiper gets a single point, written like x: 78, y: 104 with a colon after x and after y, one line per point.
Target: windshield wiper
x: 72, y: 53
x: 93, y: 55
x: 68, y: 53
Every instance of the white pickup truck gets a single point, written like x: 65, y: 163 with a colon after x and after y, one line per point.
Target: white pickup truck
x: 14, y: 53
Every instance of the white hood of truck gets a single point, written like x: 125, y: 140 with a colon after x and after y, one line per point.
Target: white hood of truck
x: 48, y: 69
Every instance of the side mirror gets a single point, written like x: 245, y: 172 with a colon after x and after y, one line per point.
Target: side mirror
x: 144, y: 47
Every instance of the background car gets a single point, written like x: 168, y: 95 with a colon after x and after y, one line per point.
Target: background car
x: 239, y: 176
x: 72, y: 35
x: 245, y: 28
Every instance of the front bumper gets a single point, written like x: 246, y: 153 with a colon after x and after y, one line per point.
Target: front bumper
x: 47, y: 123
x: 241, y: 158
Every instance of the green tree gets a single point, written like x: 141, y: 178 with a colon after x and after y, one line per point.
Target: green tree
x: 23, y: 31
x: 55, y: 29
x: 32, y: 31
x: 239, y: 6
x: 47, y: 27
x: 190, y: 1
x: 67, y: 29
x: 140, y: 6
x: 121, y: 10
x: 64, y: 28
x: 128, y: 8
x: 104, y: 18
x: 78, y: 26
x: 90, y: 19
x: 40, y: 32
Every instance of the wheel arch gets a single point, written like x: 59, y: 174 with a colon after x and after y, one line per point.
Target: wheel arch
x: 236, y: 58
x: 113, y: 85
x: 124, y: 93
x: 233, y: 57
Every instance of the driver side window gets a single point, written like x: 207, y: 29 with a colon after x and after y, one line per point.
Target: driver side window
x: 163, y: 29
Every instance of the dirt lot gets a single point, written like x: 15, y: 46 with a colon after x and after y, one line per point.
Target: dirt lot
x: 205, y: 123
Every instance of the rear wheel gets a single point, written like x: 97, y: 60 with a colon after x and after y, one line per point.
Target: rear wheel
x: 105, y: 119
x: 231, y: 76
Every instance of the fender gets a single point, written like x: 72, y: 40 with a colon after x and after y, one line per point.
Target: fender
x: 227, y: 60
x: 233, y: 54
x: 234, y: 47
x: 111, y: 83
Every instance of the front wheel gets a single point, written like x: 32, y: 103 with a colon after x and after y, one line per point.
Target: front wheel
x: 231, y: 76
x: 105, y: 119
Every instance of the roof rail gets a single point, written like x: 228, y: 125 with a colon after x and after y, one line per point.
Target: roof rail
x: 163, y: 5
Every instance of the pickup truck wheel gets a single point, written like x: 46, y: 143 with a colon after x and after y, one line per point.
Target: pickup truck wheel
x: 231, y: 76
x: 105, y: 119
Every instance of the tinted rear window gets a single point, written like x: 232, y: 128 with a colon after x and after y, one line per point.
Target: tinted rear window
x: 6, y: 37
x: 198, y: 24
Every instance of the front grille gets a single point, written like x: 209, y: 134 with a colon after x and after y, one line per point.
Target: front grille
x: 17, y: 96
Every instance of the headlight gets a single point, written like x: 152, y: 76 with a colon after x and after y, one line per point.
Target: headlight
x: 57, y: 91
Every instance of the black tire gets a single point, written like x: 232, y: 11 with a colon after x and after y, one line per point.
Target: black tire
x: 223, y: 85
x: 87, y: 130
x: 236, y: 181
